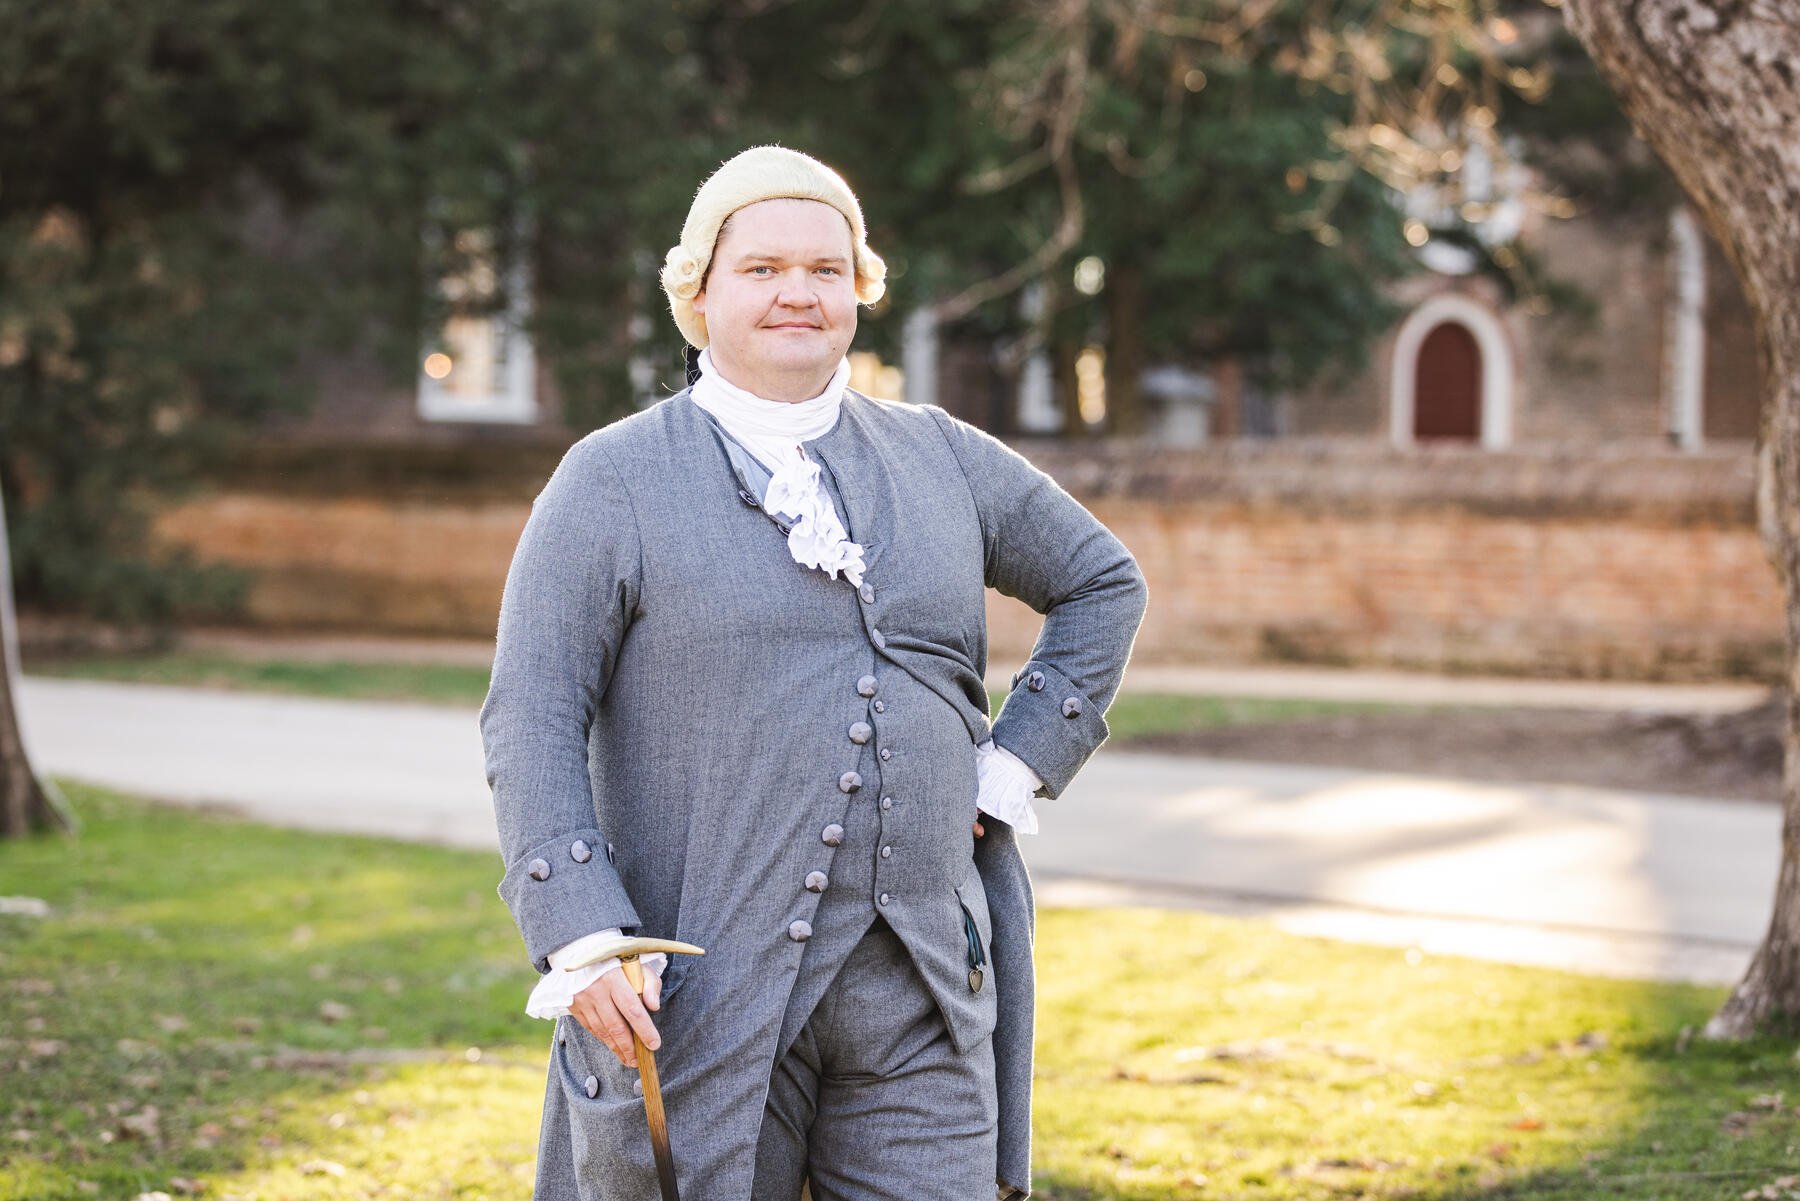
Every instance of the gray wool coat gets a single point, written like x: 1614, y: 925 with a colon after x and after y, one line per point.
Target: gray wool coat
x: 670, y: 737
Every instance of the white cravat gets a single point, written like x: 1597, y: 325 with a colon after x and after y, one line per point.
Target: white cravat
x: 773, y: 430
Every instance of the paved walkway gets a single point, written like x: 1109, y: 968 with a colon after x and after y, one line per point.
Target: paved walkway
x: 1584, y: 878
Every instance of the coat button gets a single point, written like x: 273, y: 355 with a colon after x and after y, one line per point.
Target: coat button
x: 886, y: 754
x: 849, y: 782
x: 637, y: 1087
x: 1072, y: 707
x: 562, y: 1038
x: 865, y: 686
x: 832, y: 835
x: 799, y: 931
x: 580, y: 851
x: 861, y: 732
x: 887, y: 852
x: 887, y: 802
x: 1015, y: 680
x: 745, y: 496
x: 539, y: 869
x: 885, y: 897
x: 612, y: 856
x: 816, y: 881
x: 867, y: 592
x: 877, y: 638
x: 1035, y: 681
x: 879, y: 706
x: 592, y: 1086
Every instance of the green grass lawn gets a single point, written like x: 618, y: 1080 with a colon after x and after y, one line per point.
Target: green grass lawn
x: 233, y: 1010
x: 1132, y: 715
x: 432, y: 683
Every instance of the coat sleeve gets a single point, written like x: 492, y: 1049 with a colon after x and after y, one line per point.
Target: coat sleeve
x: 1043, y: 547
x: 568, y: 598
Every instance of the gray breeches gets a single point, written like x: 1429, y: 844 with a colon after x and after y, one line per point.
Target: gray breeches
x: 872, y: 1101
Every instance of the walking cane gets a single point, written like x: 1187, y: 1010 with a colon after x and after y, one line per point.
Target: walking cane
x: 627, y: 950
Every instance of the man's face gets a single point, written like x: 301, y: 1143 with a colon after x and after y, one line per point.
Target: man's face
x: 780, y: 298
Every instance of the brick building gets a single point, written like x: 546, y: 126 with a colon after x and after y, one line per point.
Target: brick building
x: 1500, y: 490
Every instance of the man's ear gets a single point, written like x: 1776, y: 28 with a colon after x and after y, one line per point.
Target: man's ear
x: 699, y: 302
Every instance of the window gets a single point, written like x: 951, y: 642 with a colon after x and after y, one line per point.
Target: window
x: 478, y: 365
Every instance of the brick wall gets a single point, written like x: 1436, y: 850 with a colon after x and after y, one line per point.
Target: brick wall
x: 1638, y: 565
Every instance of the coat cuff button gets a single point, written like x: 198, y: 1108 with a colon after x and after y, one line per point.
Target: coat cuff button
x: 1072, y: 707
x: 1035, y: 681
x: 580, y: 851
x: 538, y: 869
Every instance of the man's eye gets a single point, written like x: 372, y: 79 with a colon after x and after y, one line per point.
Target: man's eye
x: 754, y: 270
x: 831, y: 270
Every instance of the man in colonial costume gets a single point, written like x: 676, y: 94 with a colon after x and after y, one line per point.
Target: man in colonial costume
x: 738, y: 700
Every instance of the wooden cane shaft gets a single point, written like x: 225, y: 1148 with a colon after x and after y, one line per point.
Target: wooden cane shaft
x: 653, y: 1101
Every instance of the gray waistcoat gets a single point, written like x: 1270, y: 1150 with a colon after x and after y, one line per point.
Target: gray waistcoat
x: 670, y: 685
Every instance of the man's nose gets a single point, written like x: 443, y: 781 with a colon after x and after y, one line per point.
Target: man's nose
x: 797, y: 289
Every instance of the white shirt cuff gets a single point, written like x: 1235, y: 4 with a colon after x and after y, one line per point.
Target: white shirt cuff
x: 1006, y: 786
x: 557, y: 987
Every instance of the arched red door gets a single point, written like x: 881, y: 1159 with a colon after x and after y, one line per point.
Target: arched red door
x: 1447, y: 384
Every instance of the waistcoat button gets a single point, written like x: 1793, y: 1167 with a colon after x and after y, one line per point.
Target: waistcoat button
x: 885, y: 897
x: 887, y: 802
x: 887, y: 852
x: 886, y: 754
x: 880, y: 706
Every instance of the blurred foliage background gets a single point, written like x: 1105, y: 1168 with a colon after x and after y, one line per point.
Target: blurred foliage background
x: 199, y: 201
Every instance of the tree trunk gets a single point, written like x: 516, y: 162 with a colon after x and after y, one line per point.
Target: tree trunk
x: 1713, y: 88
x: 1125, y: 350
x: 1228, y: 398
x: 25, y: 805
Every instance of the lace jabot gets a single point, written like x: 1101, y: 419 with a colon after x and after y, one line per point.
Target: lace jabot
x: 773, y: 431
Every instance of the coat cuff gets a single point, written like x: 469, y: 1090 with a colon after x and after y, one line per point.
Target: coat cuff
x: 563, y: 890
x: 1050, y: 724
